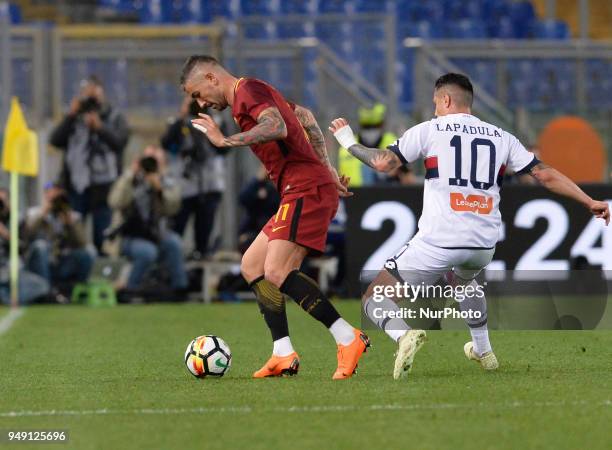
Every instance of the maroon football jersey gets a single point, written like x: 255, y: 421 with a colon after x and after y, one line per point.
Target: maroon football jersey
x: 292, y: 163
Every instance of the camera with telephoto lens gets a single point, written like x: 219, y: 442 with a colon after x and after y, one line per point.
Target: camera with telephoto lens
x: 148, y: 164
x: 60, y: 204
x: 89, y: 104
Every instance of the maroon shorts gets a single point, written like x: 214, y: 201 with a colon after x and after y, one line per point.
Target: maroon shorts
x: 304, y: 217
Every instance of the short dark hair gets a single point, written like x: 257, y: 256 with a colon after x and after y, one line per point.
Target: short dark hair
x: 459, y: 80
x: 192, y: 62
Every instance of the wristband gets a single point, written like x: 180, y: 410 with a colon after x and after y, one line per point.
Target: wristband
x: 345, y: 136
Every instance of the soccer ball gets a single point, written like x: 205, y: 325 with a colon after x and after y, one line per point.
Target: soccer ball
x: 208, y: 356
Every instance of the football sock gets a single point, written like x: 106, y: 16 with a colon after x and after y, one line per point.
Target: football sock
x: 306, y: 293
x: 480, y: 338
x: 282, y: 347
x: 342, y: 331
x: 394, y: 327
x: 272, y: 307
x: 478, y: 326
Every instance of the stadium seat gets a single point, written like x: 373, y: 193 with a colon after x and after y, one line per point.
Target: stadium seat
x: 294, y: 30
x: 520, y: 84
x: 522, y: 11
x: 494, y: 9
x: 333, y: 6
x: 598, y: 84
x: 423, y: 29
x: 550, y: 29
x: 192, y: 11
x: 467, y: 29
x: 124, y: 6
x: 503, y: 28
x: 298, y: 7
x: 220, y: 8
x: 373, y: 6
x: 14, y: 13
x: 522, y: 16
x: 258, y: 7
x: 466, y: 9
x: 21, y: 76
x: 260, y: 31
x: 156, y: 12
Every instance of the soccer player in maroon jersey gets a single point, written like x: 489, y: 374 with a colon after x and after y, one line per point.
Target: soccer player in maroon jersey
x: 288, y: 141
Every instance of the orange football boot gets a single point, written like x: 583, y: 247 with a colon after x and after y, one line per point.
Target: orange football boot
x: 278, y: 366
x: 348, y: 355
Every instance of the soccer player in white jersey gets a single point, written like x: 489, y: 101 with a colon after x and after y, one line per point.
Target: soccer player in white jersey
x: 465, y: 159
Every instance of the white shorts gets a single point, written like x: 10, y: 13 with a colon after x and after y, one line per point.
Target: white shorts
x: 419, y: 262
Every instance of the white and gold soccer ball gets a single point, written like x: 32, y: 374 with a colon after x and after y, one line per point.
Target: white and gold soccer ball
x: 208, y: 356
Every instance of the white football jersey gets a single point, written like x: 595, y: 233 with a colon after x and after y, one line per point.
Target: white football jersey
x: 465, y: 159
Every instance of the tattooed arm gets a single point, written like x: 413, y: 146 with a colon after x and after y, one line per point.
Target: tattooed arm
x: 377, y: 159
x: 308, y: 121
x: 317, y: 141
x: 270, y: 127
x: 556, y: 182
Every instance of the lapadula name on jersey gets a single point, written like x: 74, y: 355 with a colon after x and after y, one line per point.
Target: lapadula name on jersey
x: 468, y: 129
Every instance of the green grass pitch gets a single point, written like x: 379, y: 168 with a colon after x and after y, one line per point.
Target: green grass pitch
x: 116, y: 380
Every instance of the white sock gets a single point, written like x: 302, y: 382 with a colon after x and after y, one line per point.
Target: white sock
x: 480, y: 338
x: 395, y: 328
x: 342, y: 331
x: 478, y: 327
x: 282, y: 347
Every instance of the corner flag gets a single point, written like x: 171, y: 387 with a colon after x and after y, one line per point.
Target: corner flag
x: 20, y: 146
x: 19, y: 156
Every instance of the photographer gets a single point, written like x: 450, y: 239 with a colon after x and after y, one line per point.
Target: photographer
x: 93, y: 134
x: 145, y: 197
x: 200, y: 166
x: 57, y: 245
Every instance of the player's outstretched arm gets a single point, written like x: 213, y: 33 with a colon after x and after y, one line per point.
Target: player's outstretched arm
x: 270, y: 127
x: 377, y: 159
x: 556, y: 182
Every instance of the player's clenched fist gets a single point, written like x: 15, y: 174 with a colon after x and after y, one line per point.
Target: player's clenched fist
x: 600, y: 210
x: 336, y: 124
x: 208, y: 126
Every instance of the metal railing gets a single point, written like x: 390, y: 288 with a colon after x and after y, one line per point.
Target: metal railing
x: 547, y: 94
x: 140, y: 65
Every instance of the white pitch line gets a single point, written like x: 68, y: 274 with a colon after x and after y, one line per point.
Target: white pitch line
x: 7, y: 321
x: 297, y: 409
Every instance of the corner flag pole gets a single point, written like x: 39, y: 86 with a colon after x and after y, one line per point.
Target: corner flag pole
x: 6, y: 75
x: 14, y: 241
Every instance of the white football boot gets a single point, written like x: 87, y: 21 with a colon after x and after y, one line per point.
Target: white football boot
x: 408, y: 345
x: 488, y: 361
